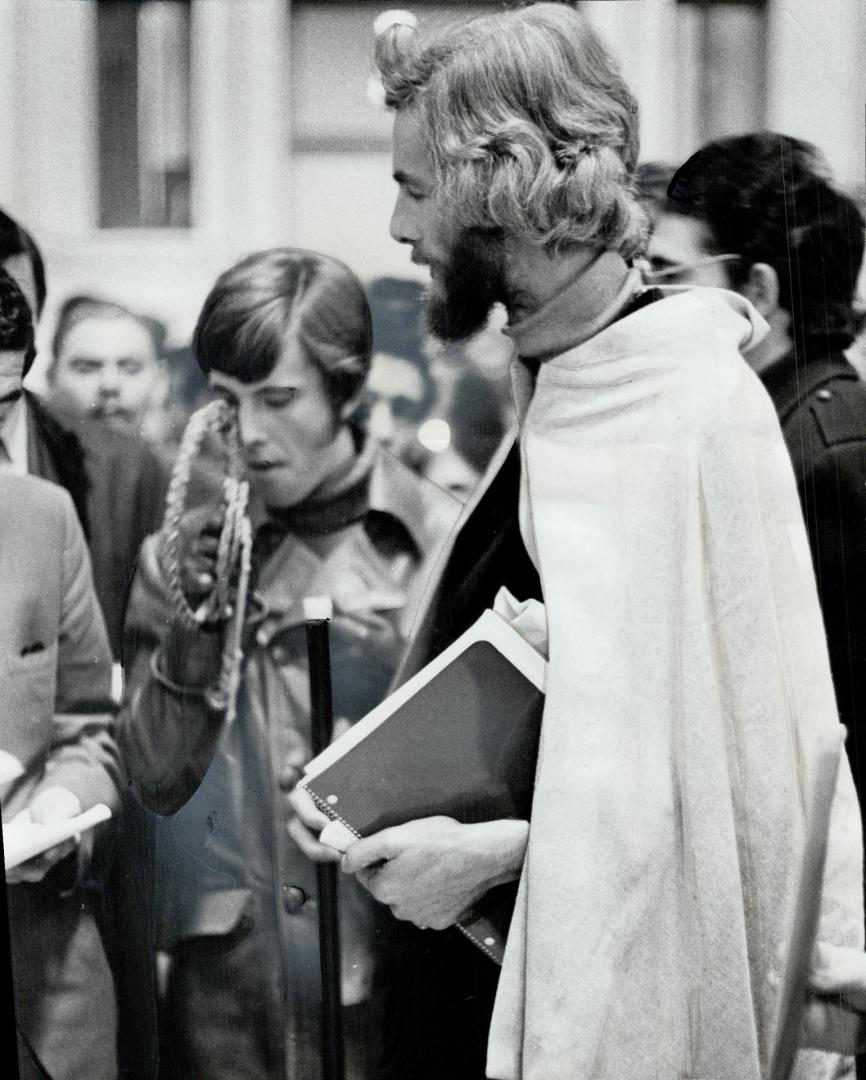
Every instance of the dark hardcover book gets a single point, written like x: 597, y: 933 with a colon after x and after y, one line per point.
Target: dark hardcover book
x: 460, y: 738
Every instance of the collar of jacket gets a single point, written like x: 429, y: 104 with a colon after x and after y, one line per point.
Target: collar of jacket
x: 790, y: 381
x: 392, y: 495
x: 399, y: 507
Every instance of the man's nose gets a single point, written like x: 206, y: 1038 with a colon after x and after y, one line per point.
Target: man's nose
x: 404, y: 228
x: 109, y: 381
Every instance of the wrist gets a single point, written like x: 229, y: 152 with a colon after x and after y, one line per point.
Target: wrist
x: 500, y: 848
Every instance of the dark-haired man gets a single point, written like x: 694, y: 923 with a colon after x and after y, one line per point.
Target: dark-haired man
x: 116, y: 482
x: 117, y: 486
x: 658, y: 506
x: 760, y: 214
x: 56, y: 719
x: 106, y: 363
x: 285, y: 339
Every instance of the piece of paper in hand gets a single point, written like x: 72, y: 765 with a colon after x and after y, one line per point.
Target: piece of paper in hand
x: 23, y: 840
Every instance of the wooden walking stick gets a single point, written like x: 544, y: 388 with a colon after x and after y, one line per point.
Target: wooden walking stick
x: 317, y: 613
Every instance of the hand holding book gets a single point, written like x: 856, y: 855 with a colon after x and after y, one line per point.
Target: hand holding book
x: 432, y: 871
x: 438, y: 780
x: 305, y: 825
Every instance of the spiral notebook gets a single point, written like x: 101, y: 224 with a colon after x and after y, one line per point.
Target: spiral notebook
x: 460, y: 738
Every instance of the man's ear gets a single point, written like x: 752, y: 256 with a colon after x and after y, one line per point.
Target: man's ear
x: 762, y: 288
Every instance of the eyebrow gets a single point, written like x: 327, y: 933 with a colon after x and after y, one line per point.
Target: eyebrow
x: 224, y: 391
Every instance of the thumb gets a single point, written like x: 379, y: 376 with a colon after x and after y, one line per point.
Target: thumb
x: 373, y: 849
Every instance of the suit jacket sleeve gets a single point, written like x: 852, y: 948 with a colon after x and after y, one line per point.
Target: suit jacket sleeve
x: 83, y: 755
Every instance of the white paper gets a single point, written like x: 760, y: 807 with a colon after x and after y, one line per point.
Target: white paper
x: 22, y: 840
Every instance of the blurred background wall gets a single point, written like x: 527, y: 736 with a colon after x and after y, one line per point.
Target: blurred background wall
x: 148, y: 143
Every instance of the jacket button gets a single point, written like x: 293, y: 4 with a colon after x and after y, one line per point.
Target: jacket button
x: 293, y: 899
x: 824, y: 395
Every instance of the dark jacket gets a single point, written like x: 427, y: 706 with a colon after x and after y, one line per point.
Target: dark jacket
x: 821, y: 407
x: 444, y: 991
x: 485, y: 553
x: 118, y: 488
x: 226, y: 864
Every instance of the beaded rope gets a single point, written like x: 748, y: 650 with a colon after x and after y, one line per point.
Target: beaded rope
x: 234, y: 547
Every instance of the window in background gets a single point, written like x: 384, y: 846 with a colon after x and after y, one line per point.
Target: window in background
x: 335, y: 106
x: 723, y: 46
x: 144, y: 113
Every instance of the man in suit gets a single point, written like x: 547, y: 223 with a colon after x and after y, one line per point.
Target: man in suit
x: 56, y: 719
x: 116, y: 482
x: 117, y: 486
x: 659, y: 510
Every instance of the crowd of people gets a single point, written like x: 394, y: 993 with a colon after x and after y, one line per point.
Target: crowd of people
x: 668, y: 500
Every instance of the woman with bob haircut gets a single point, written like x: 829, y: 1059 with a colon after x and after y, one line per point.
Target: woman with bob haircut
x: 285, y: 339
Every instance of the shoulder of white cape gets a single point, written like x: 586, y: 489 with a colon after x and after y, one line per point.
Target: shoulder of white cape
x: 747, y: 325
x: 669, y: 334
x: 661, y: 357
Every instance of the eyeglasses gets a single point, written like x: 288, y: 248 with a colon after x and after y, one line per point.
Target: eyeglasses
x: 664, y: 273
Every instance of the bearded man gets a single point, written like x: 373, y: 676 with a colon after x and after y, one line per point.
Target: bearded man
x: 688, y: 682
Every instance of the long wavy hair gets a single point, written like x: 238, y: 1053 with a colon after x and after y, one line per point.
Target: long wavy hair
x: 532, y: 129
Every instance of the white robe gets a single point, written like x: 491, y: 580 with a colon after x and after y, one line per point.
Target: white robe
x: 688, y: 682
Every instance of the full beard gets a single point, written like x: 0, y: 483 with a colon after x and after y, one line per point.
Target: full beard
x: 459, y: 304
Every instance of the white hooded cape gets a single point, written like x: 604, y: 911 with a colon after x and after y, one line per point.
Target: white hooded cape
x: 688, y: 682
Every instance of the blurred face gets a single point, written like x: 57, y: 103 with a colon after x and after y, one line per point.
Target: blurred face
x: 393, y: 402
x: 11, y: 366
x: 679, y: 254
x: 108, y: 369
x: 465, y: 266
x: 293, y: 439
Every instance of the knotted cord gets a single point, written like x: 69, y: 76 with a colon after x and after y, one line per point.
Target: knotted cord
x: 234, y: 547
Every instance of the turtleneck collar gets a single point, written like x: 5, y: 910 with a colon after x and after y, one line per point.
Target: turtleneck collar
x: 338, y: 502
x: 584, y: 305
